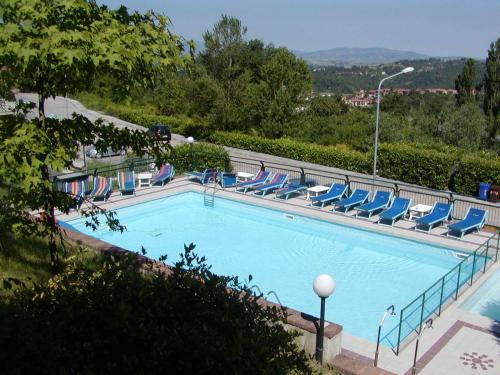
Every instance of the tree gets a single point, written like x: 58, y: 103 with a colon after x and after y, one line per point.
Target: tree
x: 464, y: 84
x: 222, y: 59
x: 492, y: 90
x: 119, y: 319
x: 280, y: 96
x: 464, y: 128
x: 56, y: 47
x: 325, y: 106
x: 223, y: 46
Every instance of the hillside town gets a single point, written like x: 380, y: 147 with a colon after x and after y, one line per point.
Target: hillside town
x: 366, y: 98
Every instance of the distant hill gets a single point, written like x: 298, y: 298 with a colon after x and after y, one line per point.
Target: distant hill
x: 429, y: 73
x: 358, y: 56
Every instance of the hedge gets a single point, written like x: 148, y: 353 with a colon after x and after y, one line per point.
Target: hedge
x: 405, y: 162
x: 325, y: 155
x: 415, y: 165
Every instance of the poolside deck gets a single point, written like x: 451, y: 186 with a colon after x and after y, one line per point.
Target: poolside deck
x: 441, y: 348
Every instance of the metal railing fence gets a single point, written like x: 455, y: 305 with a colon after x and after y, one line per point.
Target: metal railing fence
x: 444, y: 291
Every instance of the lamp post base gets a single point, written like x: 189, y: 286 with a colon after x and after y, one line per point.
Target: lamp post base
x: 321, y: 331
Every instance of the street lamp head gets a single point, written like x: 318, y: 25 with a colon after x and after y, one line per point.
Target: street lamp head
x: 324, y: 285
x: 190, y: 140
x: 408, y: 70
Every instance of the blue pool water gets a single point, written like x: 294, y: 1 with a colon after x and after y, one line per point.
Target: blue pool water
x: 372, y: 270
x: 486, y: 300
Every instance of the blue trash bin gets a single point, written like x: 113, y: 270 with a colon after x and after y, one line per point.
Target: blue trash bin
x: 484, y: 188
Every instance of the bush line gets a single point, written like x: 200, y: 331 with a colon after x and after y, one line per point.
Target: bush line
x: 400, y: 161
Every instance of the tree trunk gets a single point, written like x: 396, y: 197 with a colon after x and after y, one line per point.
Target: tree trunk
x: 41, y: 108
x: 50, y: 211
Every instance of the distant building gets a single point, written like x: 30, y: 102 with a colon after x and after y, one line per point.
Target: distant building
x: 364, y: 98
x: 360, y: 102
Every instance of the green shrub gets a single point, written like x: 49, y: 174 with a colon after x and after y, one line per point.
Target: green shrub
x: 118, y: 319
x: 474, y: 169
x: 204, y: 156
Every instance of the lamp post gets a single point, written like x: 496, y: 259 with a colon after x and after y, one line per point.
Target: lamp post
x: 324, y: 286
x: 405, y: 70
x: 428, y: 324
x: 388, y: 311
x: 190, y: 140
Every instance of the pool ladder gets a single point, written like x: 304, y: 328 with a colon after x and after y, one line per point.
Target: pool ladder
x: 209, y: 195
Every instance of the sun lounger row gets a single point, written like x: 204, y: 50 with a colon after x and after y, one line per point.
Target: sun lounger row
x: 441, y: 212
x: 103, y: 185
x: 389, y: 208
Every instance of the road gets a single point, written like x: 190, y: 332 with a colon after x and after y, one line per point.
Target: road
x: 62, y: 107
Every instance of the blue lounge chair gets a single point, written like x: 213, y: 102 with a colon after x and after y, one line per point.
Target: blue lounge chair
x: 102, y: 188
x: 399, y: 208
x: 261, y: 178
x: 76, y: 190
x: 126, y: 182
x: 358, y: 197
x: 208, y: 175
x: 440, y: 212
x: 380, y: 201
x: 288, y: 190
x: 226, y: 179
x: 473, y: 220
x: 278, y: 181
x: 336, y: 191
x: 165, y: 174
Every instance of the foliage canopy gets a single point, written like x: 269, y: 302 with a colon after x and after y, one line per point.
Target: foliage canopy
x: 118, y: 319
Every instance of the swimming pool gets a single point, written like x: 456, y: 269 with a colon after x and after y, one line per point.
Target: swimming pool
x: 486, y: 300
x: 284, y: 254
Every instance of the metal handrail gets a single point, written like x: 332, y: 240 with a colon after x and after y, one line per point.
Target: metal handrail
x: 480, y: 252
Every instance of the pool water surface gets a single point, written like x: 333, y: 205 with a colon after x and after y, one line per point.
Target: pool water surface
x: 284, y: 253
x: 486, y: 300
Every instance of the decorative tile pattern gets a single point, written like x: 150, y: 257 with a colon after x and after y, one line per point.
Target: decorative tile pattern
x: 476, y: 360
x: 470, y: 361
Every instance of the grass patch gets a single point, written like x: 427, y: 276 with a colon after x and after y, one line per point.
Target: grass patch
x: 26, y: 259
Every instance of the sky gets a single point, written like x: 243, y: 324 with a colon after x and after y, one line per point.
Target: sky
x: 432, y: 27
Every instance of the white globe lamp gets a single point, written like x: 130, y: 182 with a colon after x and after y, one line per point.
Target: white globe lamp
x: 324, y: 285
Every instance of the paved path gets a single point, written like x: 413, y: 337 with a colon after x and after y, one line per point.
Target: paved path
x: 64, y: 107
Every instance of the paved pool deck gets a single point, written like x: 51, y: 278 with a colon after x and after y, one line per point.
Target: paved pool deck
x: 458, y: 338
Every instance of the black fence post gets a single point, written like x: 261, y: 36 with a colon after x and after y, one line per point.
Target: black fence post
x: 302, y: 177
